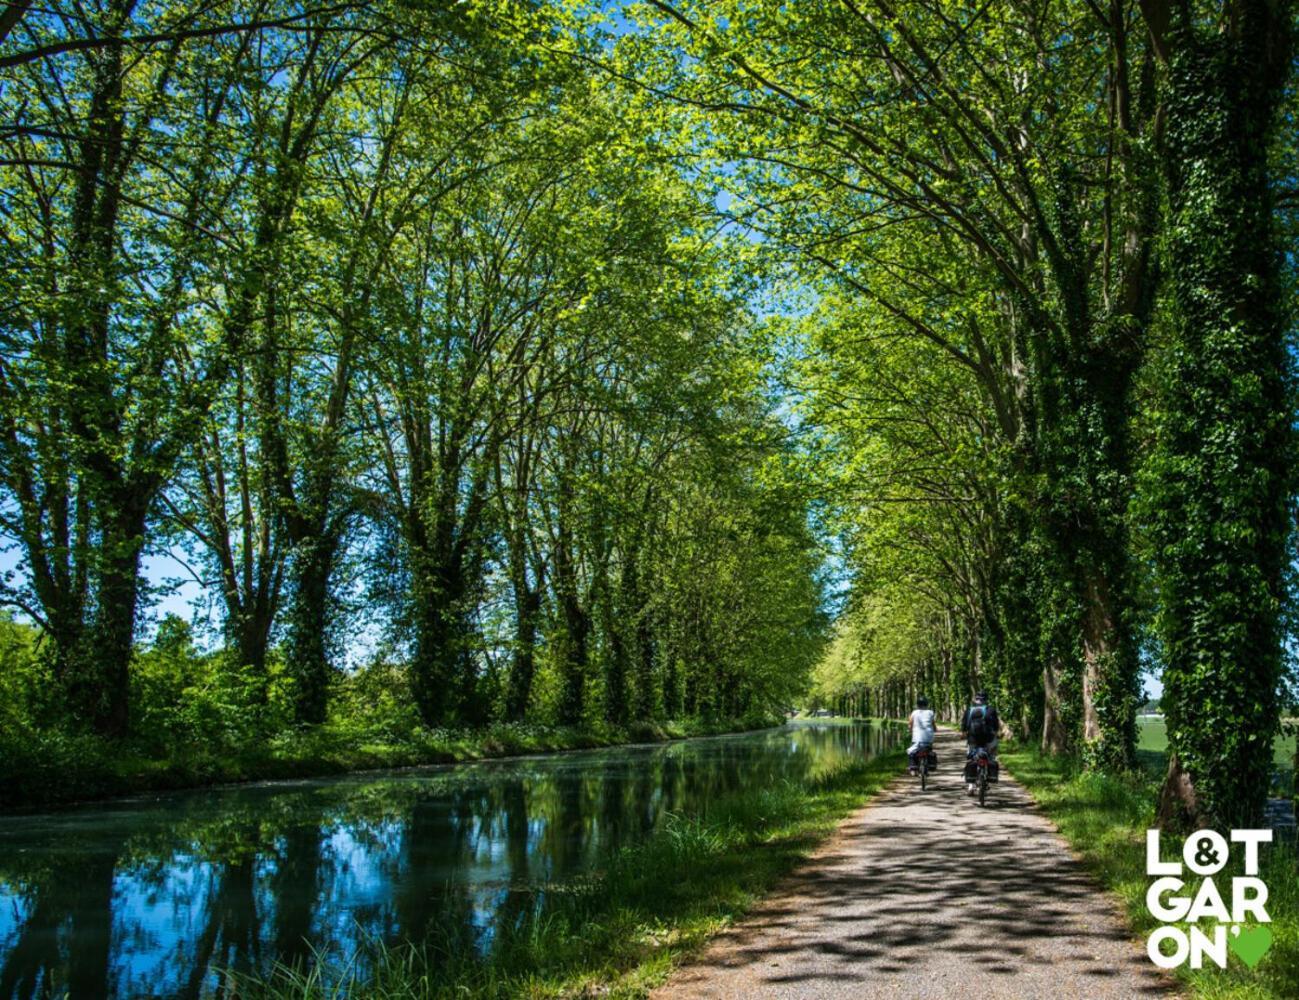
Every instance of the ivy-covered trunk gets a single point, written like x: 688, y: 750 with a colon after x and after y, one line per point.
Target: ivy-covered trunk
x: 1055, y: 732
x: 445, y: 575
x: 573, y: 646
x: 1110, y: 676
x: 101, y: 681
x: 527, y: 611
x: 1010, y: 616
x: 442, y: 673
x: 1224, y: 436
x: 575, y: 631
x: 249, y: 635
x: 307, y: 640
x: 615, y: 670
x: 639, y: 616
x: 623, y: 615
x: 1089, y: 657
x: 96, y: 668
x: 1085, y: 367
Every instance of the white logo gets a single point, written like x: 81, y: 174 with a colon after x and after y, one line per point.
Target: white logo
x: 1206, y: 853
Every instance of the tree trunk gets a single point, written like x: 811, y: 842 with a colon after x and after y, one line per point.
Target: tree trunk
x: 575, y: 651
x: 615, y: 678
x: 1109, y: 682
x: 308, y: 647
x: 616, y: 653
x: 690, y: 690
x: 646, y: 703
x: 527, y: 604
x: 672, y: 695
x: 251, y: 643
x: 100, y: 693
x: 442, y: 667
x: 575, y: 627
x: 1055, y: 735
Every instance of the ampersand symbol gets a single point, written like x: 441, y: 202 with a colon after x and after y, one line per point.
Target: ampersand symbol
x: 1205, y: 854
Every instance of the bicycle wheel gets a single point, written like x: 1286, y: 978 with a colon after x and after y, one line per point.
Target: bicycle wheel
x: 983, y: 784
x: 924, y: 773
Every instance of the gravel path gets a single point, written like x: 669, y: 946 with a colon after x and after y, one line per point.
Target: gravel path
x: 927, y: 895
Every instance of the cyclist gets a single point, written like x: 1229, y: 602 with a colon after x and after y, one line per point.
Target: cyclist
x: 922, y: 730
x: 980, y: 725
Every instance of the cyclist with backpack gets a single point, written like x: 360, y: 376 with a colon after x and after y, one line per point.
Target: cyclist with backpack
x: 980, y: 725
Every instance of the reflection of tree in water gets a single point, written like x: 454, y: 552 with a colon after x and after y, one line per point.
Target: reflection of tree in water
x: 294, y: 888
x: 570, y: 822
x: 613, y: 810
x: 76, y: 894
x: 674, y: 782
x: 516, y: 832
x: 645, y: 803
x: 230, y: 938
x: 430, y: 904
x: 709, y: 781
x: 519, y: 896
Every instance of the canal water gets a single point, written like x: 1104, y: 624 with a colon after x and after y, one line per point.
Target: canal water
x: 151, y: 896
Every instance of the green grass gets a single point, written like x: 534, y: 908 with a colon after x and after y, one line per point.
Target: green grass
x: 1152, y: 745
x: 42, y: 769
x: 619, y: 932
x: 1105, y: 820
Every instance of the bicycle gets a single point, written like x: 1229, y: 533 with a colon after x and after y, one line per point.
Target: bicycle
x: 982, y: 762
x: 923, y: 756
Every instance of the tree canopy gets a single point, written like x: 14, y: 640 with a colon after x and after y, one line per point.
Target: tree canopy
x: 628, y: 362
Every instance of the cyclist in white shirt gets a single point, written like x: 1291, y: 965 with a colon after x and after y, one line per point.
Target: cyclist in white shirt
x: 922, y: 730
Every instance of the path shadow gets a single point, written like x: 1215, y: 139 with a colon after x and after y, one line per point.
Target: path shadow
x: 931, y: 884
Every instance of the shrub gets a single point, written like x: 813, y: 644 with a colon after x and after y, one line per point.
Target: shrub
x: 374, y: 703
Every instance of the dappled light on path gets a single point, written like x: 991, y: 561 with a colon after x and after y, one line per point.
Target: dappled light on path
x: 921, y: 894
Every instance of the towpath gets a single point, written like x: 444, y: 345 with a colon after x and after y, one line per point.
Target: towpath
x: 927, y: 895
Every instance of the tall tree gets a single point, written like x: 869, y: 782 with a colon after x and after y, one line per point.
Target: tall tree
x: 119, y: 222
x: 1225, y: 441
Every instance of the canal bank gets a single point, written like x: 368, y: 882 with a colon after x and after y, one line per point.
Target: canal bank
x: 71, y: 770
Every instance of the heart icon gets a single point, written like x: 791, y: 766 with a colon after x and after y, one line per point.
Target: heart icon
x: 1252, y: 944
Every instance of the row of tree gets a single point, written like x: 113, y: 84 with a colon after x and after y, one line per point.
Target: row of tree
x: 396, y: 323
x: 1051, y: 389
x: 426, y: 318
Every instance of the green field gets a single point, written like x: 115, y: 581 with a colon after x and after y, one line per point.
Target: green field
x: 1152, y: 746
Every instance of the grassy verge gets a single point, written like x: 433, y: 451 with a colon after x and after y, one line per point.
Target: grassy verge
x: 1105, y: 820
x: 52, y: 768
x: 619, y: 932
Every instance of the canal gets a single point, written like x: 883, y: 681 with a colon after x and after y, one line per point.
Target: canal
x: 151, y: 896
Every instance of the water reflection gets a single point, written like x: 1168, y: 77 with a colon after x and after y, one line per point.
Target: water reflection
x: 150, y: 896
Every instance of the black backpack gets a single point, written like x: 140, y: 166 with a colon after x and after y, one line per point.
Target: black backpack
x: 980, y: 731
